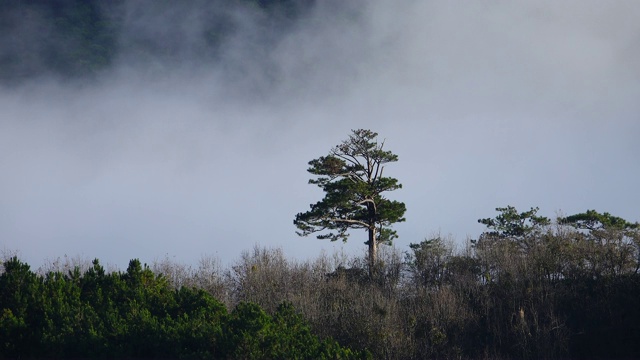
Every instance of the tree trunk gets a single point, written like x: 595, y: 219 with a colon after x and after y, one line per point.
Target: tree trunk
x: 373, y: 250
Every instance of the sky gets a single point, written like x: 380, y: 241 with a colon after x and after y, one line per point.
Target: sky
x: 487, y: 104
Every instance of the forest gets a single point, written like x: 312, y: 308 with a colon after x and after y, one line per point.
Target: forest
x: 528, y: 287
x: 525, y: 288
x: 80, y: 39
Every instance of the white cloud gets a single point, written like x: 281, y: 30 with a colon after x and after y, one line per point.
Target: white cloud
x: 487, y: 104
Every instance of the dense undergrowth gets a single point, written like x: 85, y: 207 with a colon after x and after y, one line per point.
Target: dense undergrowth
x: 551, y: 291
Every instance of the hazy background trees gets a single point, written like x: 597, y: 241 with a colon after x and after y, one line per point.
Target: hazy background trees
x: 72, y: 39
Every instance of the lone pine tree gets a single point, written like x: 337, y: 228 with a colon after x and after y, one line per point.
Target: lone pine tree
x: 352, y: 178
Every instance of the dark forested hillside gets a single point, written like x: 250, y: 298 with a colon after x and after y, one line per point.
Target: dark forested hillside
x: 525, y: 288
x: 78, y: 38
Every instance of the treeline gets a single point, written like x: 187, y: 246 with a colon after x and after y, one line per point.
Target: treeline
x: 136, y: 314
x: 81, y: 38
x: 526, y: 288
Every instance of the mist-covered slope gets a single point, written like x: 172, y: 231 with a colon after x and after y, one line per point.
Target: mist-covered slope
x: 72, y: 39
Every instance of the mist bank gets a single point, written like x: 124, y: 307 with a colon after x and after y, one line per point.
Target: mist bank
x: 182, y: 144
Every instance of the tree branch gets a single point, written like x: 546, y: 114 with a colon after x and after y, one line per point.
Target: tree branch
x: 375, y: 208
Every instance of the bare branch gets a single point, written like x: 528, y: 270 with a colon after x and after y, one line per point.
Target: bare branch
x: 346, y: 157
x: 350, y: 221
x: 369, y: 201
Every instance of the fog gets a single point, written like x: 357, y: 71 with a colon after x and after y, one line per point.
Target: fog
x: 487, y: 104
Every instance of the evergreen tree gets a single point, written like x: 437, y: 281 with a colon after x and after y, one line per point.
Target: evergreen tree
x: 352, y: 178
